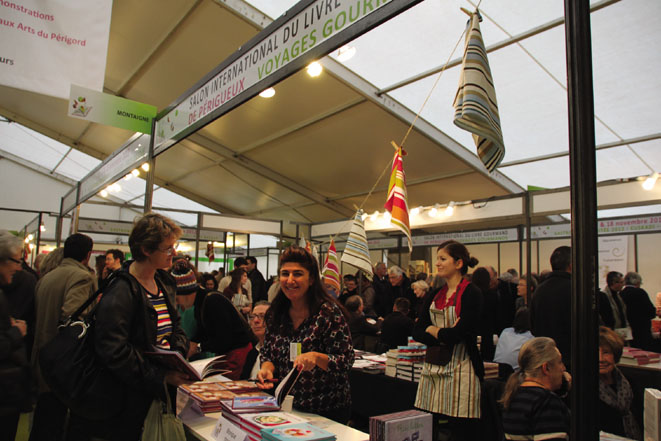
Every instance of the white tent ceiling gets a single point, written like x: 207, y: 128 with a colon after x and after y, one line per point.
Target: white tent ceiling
x: 314, y: 151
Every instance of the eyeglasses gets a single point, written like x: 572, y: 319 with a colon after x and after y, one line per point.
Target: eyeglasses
x: 171, y: 250
x: 254, y: 316
x: 15, y: 260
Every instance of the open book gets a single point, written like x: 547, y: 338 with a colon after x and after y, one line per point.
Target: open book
x: 286, y: 384
x: 197, y: 370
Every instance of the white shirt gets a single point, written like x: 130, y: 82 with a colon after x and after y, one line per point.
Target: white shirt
x: 509, y: 344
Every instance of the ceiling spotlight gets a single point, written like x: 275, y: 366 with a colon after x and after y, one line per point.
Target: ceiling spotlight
x: 135, y: 172
x: 449, y: 210
x: 116, y: 188
x: 128, y: 176
x: 267, y: 93
x: 42, y: 228
x: 345, y: 53
x: 650, y: 181
x: 434, y: 211
x: 314, y: 69
x: 145, y: 166
x: 104, y: 193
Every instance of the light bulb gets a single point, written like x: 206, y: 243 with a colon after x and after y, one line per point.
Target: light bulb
x: 267, y: 93
x: 373, y: 216
x: 650, y: 181
x: 42, y: 228
x: 315, y: 69
x: 135, y: 172
x: 128, y: 176
x: 104, y: 193
x: 145, y: 166
x: 363, y: 217
x: 30, y: 237
x: 387, y: 216
x: 433, y: 212
x: 449, y: 210
x: 415, y: 211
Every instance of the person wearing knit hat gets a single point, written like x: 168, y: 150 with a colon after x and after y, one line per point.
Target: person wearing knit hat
x: 187, y: 291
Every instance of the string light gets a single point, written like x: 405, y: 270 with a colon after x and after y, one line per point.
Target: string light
x: 416, y: 211
x: 104, y: 193
x: 373, y: 216
x: 434, y: 211
x: 145, y: 166
x: 135, y: 172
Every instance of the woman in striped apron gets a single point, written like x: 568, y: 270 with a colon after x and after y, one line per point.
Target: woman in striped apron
x: 450, y: 382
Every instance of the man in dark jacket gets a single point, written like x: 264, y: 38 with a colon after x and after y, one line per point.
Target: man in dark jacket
x: 257, y: 280
x: 397, y: 327
x: 58, y: 294
x: 640, y: 312
x: 550, y: 308
x: 400, y: 286
x: 611, y: 307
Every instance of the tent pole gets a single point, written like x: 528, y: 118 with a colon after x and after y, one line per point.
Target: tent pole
x: 582, y: 165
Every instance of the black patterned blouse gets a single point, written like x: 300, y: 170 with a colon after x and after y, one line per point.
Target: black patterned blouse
x: 326, y: 332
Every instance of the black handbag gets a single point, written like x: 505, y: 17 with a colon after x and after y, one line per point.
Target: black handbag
x: 70, y: 368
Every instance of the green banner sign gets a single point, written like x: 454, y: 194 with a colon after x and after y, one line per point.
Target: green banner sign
x: 110, y: 110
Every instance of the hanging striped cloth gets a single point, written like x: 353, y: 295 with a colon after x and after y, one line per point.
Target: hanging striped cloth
x: 397, y: 202
x: 356, y: 252
x: 331, y: 272
x: 476, y: 109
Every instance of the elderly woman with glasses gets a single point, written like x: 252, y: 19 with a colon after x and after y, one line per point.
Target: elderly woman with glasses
x: 14, y: 367
x: 136, y: 313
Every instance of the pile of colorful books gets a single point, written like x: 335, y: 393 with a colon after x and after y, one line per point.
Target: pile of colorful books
x: 409, y: 424
x: 641, y: 357
x: 209, y: 395
x: 297, y: 432
x: 253, y: 423
x: 410, y: 359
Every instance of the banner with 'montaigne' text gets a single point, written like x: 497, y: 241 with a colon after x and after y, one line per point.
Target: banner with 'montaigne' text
x: 45, y: 46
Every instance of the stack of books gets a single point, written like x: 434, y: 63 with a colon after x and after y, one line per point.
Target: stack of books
x: 253, y: 423
x: 391, y: 362
x: 297, y: 432
x: 641, y: 357
x: 410, y: 359
x: 409, y: 424
x: 208, y: 396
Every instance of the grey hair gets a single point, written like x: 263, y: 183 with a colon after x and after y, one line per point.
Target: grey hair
x: 51, y: 261
x: 633, y: 278
x: 420, y: 284
x: 506, y: 277
x: 10, y: 245
x: 395, y: 271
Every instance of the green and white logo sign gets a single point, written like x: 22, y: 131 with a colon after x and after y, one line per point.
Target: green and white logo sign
x: 110, y: 110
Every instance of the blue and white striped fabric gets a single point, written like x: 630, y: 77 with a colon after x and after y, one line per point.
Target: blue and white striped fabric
x: 356, y: 252
x: 476, y: 109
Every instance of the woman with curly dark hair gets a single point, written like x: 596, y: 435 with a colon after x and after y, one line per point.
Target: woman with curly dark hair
x: 306, y: 329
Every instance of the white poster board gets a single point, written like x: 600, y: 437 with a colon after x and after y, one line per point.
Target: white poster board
x: 45, y: 46
x: 613, y: 254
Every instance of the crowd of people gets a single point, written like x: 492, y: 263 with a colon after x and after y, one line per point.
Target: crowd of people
x: 265, y: 329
